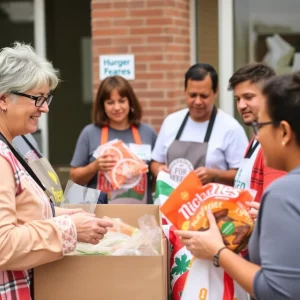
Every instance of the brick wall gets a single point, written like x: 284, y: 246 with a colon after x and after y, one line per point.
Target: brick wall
x: 158, y: 34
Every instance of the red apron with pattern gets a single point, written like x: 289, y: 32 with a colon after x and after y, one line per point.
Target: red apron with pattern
x: 135, y: 195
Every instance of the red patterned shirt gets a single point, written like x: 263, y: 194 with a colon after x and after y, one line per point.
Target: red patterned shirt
x: 262, y: 175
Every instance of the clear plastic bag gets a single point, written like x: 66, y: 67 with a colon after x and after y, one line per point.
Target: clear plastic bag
x: 146, y: 241
x: 152, y: 234
x: 111, y: 242
x: 120, y: 226
x: 76, y: 194
x: 125, y: 240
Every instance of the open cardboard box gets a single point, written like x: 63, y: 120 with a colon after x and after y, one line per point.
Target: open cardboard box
x: 89, y: 277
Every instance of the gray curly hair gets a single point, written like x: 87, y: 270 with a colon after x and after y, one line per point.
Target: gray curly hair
x: 21, y: 69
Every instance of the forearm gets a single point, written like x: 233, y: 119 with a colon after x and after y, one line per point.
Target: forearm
x: 225, y: 176
x: 60, y: 211
x: 35, y: 243
x: 155, y: 167
x: 83, y: 175
x: 239, y: 269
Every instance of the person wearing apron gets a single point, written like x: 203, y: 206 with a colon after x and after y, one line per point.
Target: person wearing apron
x: 116, y: 115
x: 28, y: 149
x: 246, y: 84
x: 42, y: 168
x: 135, y: 194
x: 201, y: 137
x: 253, y: 173
x: 273, y: 271
x: 183, y: 157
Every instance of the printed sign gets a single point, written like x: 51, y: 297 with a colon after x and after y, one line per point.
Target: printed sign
x: 122, y: 65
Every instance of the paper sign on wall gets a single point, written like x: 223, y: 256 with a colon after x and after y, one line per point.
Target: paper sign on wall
x: 123, y: 65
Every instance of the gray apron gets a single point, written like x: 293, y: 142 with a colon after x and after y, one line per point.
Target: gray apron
x: 183, y: 157
x: 44, y: 171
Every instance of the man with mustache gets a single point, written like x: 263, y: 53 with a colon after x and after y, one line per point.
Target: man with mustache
x: 200, y: 137
x: 246, y: 84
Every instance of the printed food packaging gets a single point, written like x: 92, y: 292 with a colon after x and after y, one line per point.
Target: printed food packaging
x: 129, y: 168
x: 187, y: 206
x: 192, y: 278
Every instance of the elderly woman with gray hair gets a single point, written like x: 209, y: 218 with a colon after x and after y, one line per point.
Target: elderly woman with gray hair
x: 30, y: 234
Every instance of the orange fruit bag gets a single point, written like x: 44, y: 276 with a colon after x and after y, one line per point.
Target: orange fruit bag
x: 129, y: 168
x: 187, y: 206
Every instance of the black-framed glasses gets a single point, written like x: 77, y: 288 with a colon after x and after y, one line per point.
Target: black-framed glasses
x: 258, y: 125
x: 39, y: 100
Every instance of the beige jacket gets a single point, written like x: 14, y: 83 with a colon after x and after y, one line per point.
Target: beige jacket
x: 29, y: 236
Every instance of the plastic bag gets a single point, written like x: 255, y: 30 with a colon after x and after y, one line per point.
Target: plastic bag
x: 129, y: 168
x: 146, y: 241
x: 187, y: 206
x: 280, y: 52
x: 76, y: 194
x: 206, y: 282
x: 128, y: 241
x: 110, y: 243
x: 180, y: 258
x: 152, y: 233
x: 120, y: 226
x: 192, y: 278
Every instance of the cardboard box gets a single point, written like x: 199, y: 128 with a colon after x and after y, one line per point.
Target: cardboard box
x: 90, y: 277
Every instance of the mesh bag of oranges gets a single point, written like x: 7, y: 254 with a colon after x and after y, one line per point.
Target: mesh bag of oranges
x: 187, y: 206
x: 128, y: 170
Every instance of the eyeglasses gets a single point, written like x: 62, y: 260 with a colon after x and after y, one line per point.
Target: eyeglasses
x: 258, y: 125
x: 39, y: 100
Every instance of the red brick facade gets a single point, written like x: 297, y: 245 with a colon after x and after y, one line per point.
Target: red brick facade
x: 158, y: 34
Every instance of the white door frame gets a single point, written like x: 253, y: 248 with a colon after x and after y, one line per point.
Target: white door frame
x: 226, y: 52
x: 40, y: 47
x: 193, y: 38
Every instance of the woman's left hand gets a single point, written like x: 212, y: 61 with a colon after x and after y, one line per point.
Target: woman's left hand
x: 203, y: 244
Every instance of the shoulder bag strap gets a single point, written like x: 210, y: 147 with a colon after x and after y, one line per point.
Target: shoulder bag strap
x: 31, y: 146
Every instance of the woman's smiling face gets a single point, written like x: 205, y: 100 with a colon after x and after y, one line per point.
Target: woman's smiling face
x: 21, y: 116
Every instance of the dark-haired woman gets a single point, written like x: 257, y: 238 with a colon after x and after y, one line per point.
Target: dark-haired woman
x: 274, y: 268
x: 117, y: 114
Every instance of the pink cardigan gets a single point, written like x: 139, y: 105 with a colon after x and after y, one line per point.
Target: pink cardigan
x: 29, y: 236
